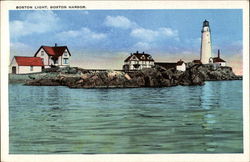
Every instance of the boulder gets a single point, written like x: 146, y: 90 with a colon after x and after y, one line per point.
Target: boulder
x: 157, y: 76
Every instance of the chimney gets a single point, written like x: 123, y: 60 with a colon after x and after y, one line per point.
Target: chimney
x: 131, y: 54
x: 143, y: 52
x: 55, y: 44
x: 218, y: 53
x: 137, y: 52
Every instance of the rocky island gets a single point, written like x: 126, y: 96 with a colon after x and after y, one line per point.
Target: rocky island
x: 74, y: 77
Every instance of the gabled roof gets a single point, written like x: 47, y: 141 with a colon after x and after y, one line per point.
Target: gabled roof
x: 29, y: 61
x: 140, y: 56
x: 54, y: 51
x: 218, y: 59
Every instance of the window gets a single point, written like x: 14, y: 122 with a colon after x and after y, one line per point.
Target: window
x: 31, y: 68
x: 43, y: 60
x: 65, y: 53
x: 66, y: 61
x: 56, y: 62
x: 42, y: 53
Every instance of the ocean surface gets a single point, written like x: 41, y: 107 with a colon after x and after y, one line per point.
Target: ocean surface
x: 182, y: 119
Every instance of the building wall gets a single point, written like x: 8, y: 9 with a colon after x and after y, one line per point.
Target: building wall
x: 146, y: 64
x: 143, y: 64
x: 205, y: 45
x: 45, y: 57
x: 61, y: 61
x: 27, y: 69
x: 220, y: 63
x: 181, y: 67
x: 223, y: 64
x: 12, y: 63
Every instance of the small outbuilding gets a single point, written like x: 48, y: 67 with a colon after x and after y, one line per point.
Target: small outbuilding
x: 25, y: 65
x: 218, y: 60
x: 179, y: 65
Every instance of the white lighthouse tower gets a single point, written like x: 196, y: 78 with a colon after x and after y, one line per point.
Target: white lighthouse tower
x: 205, y: 53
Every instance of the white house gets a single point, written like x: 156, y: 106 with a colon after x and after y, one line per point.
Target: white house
x: 24, y: 65
x: 54, y: 56
x: 181, y: 66
x: 138, y: 61
x: 218, y: 61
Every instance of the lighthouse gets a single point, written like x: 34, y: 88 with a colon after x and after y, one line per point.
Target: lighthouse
x: 206, y: 48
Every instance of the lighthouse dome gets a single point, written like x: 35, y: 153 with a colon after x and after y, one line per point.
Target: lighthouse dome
x: 205, y: 23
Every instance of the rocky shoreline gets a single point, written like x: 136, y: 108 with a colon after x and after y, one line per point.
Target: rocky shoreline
x: 74, y: 77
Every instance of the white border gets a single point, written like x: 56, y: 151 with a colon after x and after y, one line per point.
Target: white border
x: 10, y: 5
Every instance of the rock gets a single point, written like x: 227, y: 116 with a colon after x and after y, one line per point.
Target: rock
x: 127, y: 77
x: 74, y: 77
x: 43, y: 82
x: 50, y: 70
x: 84, y: 76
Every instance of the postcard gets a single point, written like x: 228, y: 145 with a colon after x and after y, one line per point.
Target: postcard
x: 125, y: 81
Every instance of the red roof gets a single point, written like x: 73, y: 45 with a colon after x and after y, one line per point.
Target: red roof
x: 54, y: 51
x: 140, y: 56
x: 218, y: 59
x: 29, y: 61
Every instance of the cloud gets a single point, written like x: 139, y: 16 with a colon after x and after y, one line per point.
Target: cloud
x: 139, y: 32
x: 83, y: 33
x: 152, y: 35
x: 144, y: 38
x: 119, y: 22
x: 144, y: 34
x: 20, y: 49
x: 34, y: 22
x: 168, y: 32
x: 142, y: 46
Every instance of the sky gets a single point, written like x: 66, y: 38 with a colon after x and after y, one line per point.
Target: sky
x: 104, y: 38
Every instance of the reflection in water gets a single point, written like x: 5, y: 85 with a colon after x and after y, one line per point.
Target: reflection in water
x: 195, y: 119
x: 207, y: 96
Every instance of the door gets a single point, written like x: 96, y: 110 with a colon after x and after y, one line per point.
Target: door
x: 13, y: 70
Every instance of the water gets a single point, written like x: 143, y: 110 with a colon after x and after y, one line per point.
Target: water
x: 182, y: 119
